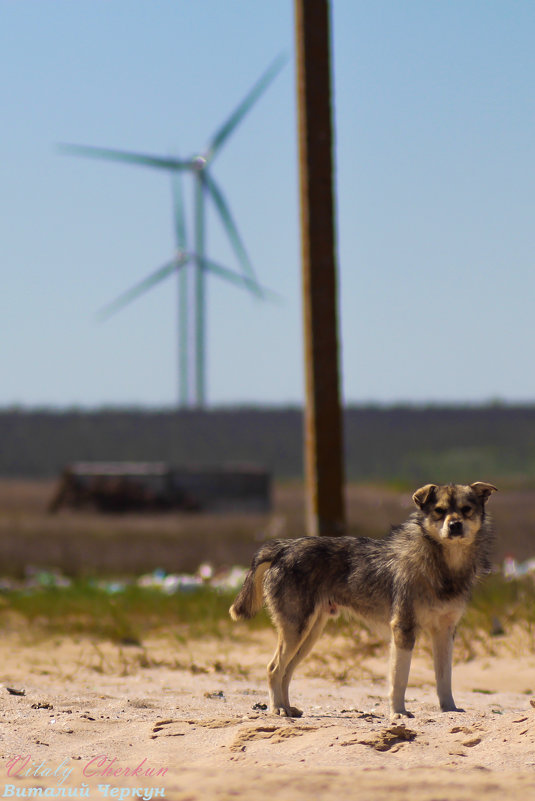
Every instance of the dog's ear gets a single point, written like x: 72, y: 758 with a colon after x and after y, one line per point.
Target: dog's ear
x: 422, y: 495
x: 483, y: 490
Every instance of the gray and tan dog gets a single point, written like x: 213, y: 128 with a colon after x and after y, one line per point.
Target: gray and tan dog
x: 419, y: 577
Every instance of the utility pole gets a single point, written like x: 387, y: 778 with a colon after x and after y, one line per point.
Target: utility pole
x: 324, y: 471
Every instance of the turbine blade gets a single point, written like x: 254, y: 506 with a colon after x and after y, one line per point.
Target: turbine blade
x: 178, y: 206
x: 228, y: 221
x: 140, y: 159
x: 139, y: 289
x: 239, y: 280
x: 223, y: 133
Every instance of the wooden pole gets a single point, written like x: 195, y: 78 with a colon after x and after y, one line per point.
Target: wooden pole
x: 324, y: 470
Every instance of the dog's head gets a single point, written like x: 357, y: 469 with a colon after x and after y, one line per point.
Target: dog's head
x: 453, y: 512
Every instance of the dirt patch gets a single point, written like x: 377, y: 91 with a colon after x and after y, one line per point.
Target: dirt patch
x: 276, y: 734
x: 387, y: 739
x: 87, y: 723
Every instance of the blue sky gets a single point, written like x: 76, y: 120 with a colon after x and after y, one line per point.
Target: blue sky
x: 435, y: 123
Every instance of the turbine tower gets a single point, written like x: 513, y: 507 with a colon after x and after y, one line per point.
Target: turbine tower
x: 205, y: 188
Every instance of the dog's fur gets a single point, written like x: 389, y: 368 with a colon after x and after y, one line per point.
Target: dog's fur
x: 419, y: 577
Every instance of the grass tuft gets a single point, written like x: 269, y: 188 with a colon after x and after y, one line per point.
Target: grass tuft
x: 499, y: 607
x: 124, y: 617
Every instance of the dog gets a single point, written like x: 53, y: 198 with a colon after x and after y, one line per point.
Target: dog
x: 419, y: 577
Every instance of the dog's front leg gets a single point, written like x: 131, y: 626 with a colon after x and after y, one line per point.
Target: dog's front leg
x: 401, y: 646
x: 442, y: 640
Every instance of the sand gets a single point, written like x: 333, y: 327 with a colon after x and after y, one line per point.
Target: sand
x: 179, y: 719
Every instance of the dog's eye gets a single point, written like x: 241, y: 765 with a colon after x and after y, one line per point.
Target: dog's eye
x: 439, y: 511
x: 466, y: 510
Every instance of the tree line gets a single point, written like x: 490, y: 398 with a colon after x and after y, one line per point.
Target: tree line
x: 394, y: 444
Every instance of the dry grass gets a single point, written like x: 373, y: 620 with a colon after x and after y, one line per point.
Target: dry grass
x: 87, y: 543
x: 84, y: 545
x: 124, y: 617
x: 501, y: 615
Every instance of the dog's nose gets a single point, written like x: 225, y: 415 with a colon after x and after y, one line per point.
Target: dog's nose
x: 455, y: 528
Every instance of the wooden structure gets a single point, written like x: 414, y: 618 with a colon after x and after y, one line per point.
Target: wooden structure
x: 157, y: 487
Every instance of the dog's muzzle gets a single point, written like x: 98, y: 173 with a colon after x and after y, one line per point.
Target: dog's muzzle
x: 455, y: 528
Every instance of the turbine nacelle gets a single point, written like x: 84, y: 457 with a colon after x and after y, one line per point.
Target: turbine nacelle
x: 199, y: 163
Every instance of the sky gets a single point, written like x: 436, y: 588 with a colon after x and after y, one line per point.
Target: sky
x: 434, y: 117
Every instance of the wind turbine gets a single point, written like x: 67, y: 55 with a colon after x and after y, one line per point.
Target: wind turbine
x: 205, y: 187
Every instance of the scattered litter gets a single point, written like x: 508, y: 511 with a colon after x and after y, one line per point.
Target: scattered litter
x: 42, y: 705
x: 205, y: 571
x: 229, y: 580
x: 169, y: 584
x: 112, y: 587
x: 215, y: 694
x: 13, y: 691
x: 224, y: 579
x: 8, y: 584
x: 513, y: 569
x: 259, y: 706
x: 36, y: 578
x: 206, y: 576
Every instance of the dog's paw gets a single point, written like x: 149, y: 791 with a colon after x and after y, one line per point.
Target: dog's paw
x: 400, y: 715
x: 287, y: 712
x: 294, y: 712
x: 451, y: 708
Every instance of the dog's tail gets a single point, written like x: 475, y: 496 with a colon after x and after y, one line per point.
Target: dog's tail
x: 251, y: 596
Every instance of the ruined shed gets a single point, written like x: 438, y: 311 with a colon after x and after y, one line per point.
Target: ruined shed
x: 156, y: 486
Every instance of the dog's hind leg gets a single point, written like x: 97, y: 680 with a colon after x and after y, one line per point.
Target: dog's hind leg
x: 288, y: 644
x: 304, y: 649
x: 294, y: 644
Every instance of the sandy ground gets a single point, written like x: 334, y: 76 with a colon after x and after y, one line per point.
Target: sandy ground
x: 177, y: 719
